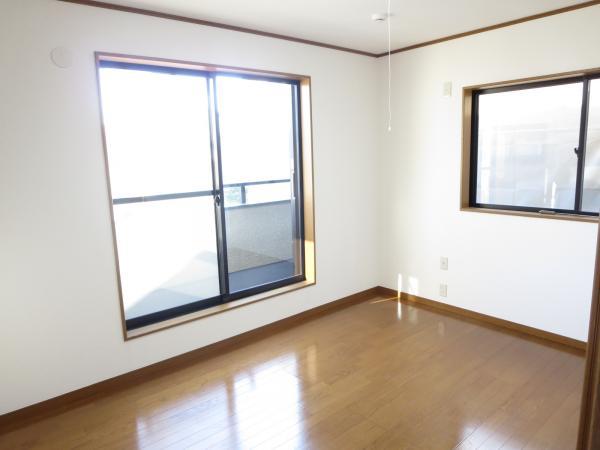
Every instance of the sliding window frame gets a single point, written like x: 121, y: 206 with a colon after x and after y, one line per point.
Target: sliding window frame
x: 303, y: 223
x: 298, y: 193
x: 470, y: 140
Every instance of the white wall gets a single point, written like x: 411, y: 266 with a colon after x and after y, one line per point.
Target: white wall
x: 386, y: 203
x: 536, y: 272
x: 60, y: 322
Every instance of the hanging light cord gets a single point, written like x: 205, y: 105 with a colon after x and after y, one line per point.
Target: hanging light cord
x: 389, y: 58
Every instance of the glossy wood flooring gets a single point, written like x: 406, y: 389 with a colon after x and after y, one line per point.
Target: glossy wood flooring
x: 376, y: 375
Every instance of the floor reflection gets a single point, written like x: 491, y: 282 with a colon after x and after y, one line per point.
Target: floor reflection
x: 379, y: 375
x: 383, y: 374
x: 271, y: 407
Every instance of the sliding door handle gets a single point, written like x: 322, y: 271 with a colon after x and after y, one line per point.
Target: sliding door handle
x: 217, y: 200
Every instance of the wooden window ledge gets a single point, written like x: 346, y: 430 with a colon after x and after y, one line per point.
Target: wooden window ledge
x: 508, y: 212
x: 142, y: 331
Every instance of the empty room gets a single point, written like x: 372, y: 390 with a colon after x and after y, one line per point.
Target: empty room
x: 269, y: 224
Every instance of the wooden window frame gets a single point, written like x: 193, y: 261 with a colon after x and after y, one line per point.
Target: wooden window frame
x: 467, y: 132
x: 306, y: 163
x: 589, y: 419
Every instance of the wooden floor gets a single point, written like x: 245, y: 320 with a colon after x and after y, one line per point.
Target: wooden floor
x: 377, y: 375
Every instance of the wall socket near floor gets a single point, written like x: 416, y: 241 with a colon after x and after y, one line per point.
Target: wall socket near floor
x: 444, y: 263
x: 443, y: 290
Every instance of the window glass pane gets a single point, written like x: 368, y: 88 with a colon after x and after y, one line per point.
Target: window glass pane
x: 591, y: 178
x: 167, y: 253
x: 255, y: 118
x: 157, y: 132
x: 158, y: 143
x: 265, y: 193
x: 233, y: 195
x: 257, y: 145
x: 526, y: 140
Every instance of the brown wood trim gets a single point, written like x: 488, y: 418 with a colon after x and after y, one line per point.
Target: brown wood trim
x: 550, y: 77
x: 574, y: 344
x: 208, y: 23
x: 465, y: 174
x: 508, y: 212
x: 308, y: 177
x: 89, y: 394
x: 495, y: 27
x: 148, y: 12
x: 589, y: 421
x: 193, y: 65
x: 218, y: 309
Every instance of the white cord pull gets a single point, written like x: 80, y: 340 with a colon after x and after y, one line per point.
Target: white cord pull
x: 389, y: 30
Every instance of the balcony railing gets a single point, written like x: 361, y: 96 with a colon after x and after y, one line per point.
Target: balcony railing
x: 259, y: 217
x: 236, y: 194
x: 256, y: 192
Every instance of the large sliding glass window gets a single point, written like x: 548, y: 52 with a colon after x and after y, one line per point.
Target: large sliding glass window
x: 535, y: 147
x: 205, y: 179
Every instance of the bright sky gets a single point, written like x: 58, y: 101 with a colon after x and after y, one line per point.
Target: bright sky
x: 158, y: 136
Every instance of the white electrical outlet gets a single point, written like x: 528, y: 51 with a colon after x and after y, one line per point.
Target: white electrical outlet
x: 443, y: 290
x: 444, y: 263
x: 447, y: 89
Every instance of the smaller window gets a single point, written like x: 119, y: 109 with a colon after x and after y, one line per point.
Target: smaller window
x: 535, y: 147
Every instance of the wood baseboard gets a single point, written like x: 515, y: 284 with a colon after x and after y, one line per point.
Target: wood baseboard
x: 579, y: 346
x: 88, y: 394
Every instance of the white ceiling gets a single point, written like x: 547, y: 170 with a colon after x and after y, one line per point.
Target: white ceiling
x: 348, y: 23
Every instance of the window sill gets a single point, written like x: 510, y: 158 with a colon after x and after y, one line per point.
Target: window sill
x: 506, y: 212
x: 142, y: 331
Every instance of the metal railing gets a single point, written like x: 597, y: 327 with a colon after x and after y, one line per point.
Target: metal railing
x: 243, y: 197
x: 242, y: 189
